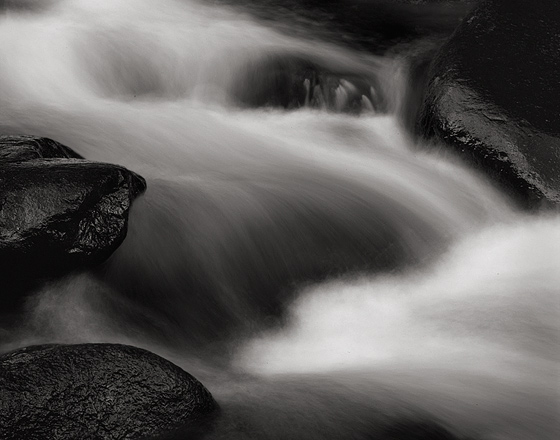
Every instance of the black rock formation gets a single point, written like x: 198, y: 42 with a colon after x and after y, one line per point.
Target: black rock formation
x: 57, y: 213
x: 98, y: 391
x: 494, y: 96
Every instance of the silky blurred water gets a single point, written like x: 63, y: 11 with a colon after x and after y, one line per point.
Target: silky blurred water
x: 323, y: 273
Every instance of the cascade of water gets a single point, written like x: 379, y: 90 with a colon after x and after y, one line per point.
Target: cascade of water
x: 308, y: 232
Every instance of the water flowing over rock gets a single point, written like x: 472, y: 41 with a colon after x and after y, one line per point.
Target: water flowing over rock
x: 493, y: 96
x: 58, y: 212
x: 292, y: 82
x: 373, y: 24
x: 97, y: 391
x: 312, y: 264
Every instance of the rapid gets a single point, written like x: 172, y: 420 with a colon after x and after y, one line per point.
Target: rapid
x: 324, y: 273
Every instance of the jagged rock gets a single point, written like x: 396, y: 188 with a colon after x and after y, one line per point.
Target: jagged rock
x: 98, y: 391
x: 494, y: 96
x: 57, y: 213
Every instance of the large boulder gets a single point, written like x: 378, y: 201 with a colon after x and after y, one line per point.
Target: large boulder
x: 494, y: 96
x: 57, y: 213
x: 98, y: 391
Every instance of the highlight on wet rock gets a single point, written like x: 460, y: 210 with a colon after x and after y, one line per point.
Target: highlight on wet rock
x: 59, y: 212
x: 493, y: 97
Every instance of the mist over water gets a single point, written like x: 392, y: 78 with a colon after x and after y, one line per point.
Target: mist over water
x: 321, y: 272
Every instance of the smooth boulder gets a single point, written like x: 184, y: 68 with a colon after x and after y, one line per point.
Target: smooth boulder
x: 494, y: 96
x: 58, y: 213
x: 98, y: 391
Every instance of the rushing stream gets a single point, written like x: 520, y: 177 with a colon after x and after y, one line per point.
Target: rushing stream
x: 320, y: 271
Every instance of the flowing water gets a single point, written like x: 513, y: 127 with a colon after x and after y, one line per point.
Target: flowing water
x: 324, y: 274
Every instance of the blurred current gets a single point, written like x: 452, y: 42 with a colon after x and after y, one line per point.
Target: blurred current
x: 323, y: 273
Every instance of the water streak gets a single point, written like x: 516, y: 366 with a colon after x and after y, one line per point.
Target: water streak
x: 295, y: 247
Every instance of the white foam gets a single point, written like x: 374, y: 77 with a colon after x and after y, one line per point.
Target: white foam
x: 491, y: 305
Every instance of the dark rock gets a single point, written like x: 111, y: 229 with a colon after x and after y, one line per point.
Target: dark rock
x: 374, y: 25
x: 24, y: 148
x: 58, y: 213
x: 98, y: 391
x: 494, y: 96
x: 289, y: 81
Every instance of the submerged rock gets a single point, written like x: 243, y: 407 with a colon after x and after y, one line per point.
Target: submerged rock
x: 494, y: 96
x: 57, y: 213
x: 97, y: 391
x: 288, y: 81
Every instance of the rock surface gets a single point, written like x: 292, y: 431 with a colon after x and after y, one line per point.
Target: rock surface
x: 57, y: 213
x: 97, y: 391
x: 494, y: 96
x: 24, y: 148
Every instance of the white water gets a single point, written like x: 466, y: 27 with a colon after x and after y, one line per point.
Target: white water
x: 242, y: 204
x: 489, y: 305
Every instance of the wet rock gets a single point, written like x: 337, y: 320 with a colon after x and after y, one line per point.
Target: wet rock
x: 57, y: 213
x: 23, y: 148
x: 494, y: 96
x: 98, y: 391
x: 289, y: 82
x: 60, y: 215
